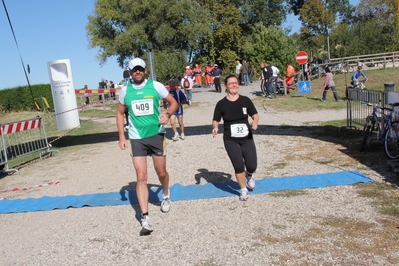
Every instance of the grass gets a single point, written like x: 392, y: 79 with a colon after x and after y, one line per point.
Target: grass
x: 311, y: 101
x: 385, y: 197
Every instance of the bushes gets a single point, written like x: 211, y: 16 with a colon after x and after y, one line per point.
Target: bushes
x: 20, y: 98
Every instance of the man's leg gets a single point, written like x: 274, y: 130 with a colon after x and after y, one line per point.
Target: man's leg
x: 181, y: 125
x: 160, y: 169
x: 173, y: 125
x: 140, y: 165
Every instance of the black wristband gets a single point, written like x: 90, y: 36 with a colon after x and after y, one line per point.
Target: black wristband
x: 169, y: 115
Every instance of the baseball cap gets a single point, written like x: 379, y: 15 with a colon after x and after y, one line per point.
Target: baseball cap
x: 215, y: 65
x: 136, y: 62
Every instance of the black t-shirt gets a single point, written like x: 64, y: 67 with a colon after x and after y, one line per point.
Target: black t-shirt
x: 234, y: 113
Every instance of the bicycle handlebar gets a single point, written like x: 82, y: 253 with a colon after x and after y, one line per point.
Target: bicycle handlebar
x: 377, y: 106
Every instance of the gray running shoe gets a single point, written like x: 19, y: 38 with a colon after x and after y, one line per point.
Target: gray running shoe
x: 250, y: 181
x: 244, y: 195
x: 146, y: 226
x: 165, y: 204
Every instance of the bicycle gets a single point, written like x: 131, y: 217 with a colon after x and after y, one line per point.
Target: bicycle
x: 387, y: 130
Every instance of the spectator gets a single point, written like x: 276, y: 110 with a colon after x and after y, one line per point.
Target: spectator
x: 329, y: 83
x: 187, y: 84
x: 238, y: 71
x: 217, y: 73
x: 86, y: 94
x: 245, y: 72
x: 268, y: 79
x: 275, y: 72
x: 112, y: 87
x: 101, y: 85
x: 126, y: 75
x: 197, y: 71
x: 289, y: 76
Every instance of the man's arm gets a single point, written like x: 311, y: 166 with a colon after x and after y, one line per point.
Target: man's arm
x: 173, y: 105
x: 120, y: 112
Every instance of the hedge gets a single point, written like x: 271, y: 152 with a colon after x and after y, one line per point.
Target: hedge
x: 20, y: 98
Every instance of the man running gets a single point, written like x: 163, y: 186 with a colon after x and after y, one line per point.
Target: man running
x: 146, y: 133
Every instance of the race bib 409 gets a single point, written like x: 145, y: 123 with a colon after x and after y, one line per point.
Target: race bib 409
x: 143, y: 107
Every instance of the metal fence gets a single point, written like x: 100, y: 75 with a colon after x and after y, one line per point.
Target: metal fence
x: 358, y: 111
x: 21, y: 138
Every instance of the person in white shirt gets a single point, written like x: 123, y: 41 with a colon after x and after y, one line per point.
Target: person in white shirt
x: 274, y: 77
x: 238, y: 71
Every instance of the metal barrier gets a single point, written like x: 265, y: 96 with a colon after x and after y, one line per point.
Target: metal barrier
x: 356, y: 111
x: 20, y: 138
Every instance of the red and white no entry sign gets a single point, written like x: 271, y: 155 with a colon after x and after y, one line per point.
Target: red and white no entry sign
x: 301, y: 57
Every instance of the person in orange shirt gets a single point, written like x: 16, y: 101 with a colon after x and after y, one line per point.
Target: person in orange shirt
x: 289, y: 76
x: 188, y: 71
x: 208, y: 75
x: 197, y: 71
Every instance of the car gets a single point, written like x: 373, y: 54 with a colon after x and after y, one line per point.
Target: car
x: 120, y: 84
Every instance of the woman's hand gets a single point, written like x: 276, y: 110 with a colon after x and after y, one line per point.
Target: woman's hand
x: 215, y: 132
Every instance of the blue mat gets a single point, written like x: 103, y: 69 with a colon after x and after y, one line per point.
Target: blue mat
x: 179, y: 192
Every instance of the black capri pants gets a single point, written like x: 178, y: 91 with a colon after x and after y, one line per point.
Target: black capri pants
x: 242, y: 154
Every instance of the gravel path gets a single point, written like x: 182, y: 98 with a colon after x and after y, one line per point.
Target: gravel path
x: 265, y: 230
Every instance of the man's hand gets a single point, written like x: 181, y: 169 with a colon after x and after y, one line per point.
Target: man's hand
x: 122, y: 143
x: 163, y: 119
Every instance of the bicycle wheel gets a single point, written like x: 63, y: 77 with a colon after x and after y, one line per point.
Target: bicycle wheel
x: 367, y: 131
x: 391, y: 141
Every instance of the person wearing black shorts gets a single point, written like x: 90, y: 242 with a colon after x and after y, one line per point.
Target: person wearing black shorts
x: 237, y: 135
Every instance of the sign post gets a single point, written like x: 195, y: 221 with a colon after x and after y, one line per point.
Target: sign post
x: 301, y: 57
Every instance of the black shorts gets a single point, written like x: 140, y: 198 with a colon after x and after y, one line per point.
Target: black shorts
x: 242, y: 154
x: 154, y: 145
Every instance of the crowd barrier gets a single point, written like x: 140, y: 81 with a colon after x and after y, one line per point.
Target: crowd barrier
x: 358, y: 111
x: 21, y: 138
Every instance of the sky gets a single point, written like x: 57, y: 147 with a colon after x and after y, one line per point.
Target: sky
x: 48, y: 30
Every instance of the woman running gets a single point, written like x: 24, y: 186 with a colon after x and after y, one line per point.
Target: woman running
x: 237, y: 135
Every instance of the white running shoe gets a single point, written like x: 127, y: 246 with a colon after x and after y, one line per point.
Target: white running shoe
x: 176, y: 137
x: 244, y: 194
x: 146, y: 226
x: 182, y: 136
x: 165, y: 204
x: 250, y: 181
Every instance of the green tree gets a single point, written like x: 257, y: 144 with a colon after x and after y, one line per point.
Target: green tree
x: 223, y: 44
x: 316, y: 22
x: 126, y: 28
x: 267, y: 12
x: 270, y: 44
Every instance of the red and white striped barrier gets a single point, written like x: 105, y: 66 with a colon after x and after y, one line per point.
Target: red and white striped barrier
x: 19, y: 126
x: 20, y: 189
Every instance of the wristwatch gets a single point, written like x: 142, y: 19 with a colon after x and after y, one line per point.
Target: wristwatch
x: 169, y: 115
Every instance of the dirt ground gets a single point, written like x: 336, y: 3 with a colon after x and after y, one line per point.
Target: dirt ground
x: 323, y: 226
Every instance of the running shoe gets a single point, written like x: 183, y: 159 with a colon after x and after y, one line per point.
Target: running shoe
x: 165, y: 204
x: 250, y: 181
x: 189, y: 101
x: 176, y: 137
x: 146, y: 226
x: 182, y: 136
x: 244, y: 195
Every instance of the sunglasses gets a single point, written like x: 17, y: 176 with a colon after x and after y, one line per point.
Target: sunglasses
x: 138, y: 68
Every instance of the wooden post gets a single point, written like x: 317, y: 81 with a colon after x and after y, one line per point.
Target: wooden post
x: 285, y: 87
